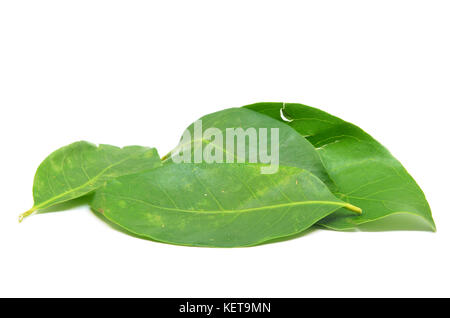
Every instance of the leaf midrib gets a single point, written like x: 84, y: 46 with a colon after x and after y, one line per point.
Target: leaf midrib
x: 275, y: 206
x: 87, y: 183
x: 194, y: 141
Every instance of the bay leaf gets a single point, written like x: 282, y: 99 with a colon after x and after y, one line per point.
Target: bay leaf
x: 365, y: 173
x: 216, y: 205
x: 294, y: 150
x: 81, y: 167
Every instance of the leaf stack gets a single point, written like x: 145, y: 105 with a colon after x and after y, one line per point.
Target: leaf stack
x: 331, y: 174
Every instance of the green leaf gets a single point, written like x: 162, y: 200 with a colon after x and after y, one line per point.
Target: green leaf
x: 365, y: 173
x: 294, y: 150
x: 79, y: 168
x: 216, y: 205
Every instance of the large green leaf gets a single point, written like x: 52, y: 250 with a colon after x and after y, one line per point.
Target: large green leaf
x: 79, y: 168
x: 217, y: 205
x: 294, y: 149
x: 365, y: 173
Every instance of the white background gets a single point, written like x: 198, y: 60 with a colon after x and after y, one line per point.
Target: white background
x: 138, y: 72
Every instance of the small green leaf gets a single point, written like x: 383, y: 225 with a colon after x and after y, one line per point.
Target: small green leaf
x: 79, y: 168
x: 365, y: 173
x: 216, y: 205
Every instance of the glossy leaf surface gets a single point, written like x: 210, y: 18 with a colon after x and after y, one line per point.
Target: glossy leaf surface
x: 79, y: 168
x: 294, y: 149
x: 216, y: 205
x: 364, y: 172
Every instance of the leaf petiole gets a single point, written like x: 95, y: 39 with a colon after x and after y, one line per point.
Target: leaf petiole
x: 353, y: 208
x: 27, y: 213
x: 165, y: 157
